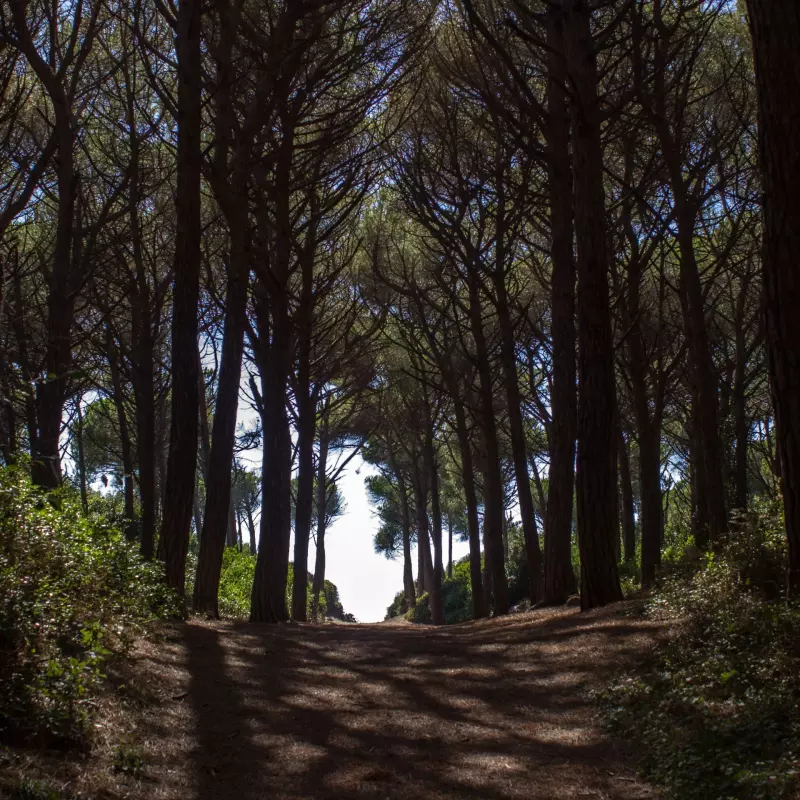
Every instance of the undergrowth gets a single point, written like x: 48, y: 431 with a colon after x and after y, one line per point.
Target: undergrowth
x: 73, y: 593
x: 714, y: 715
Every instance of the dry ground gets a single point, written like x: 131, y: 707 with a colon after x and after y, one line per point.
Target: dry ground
x: 489, y: 710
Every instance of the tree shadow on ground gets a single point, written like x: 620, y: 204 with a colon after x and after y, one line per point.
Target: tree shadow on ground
x: 489, y: 710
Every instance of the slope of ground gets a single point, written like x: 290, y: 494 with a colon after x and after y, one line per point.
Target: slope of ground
x: 486, y: 710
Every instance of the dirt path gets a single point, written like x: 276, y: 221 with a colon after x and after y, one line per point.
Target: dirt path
x: 488, y: 710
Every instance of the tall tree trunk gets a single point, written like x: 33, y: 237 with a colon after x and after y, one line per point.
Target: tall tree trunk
x: 703, y: 377
x: 423, y: 532
x: 473, y: 524
x: 700, y: 522
x: 432, y: 470
x: 131, y: 529
x: 142, y: 366
x: 559, y: 577
x: 519, y: 448
x: 82, y: 458
x: 493, y: 480
x: 626, y: 492
x: 251, y: 527
x: 449, y: 547
x: 231, y: 536
x: 322, y: 497
x: 741, y: 428
x: 596, y: 462
x: 182, y: 462
x: 775, y: 26
x: 306, y: 426
x: 405, y: 518
x: 268, y: 602
x: 306, y: 432
x: 218, y: 472
x: 651, y: 506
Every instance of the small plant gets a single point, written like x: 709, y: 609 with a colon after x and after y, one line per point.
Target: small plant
x: 129, y: 760
x: 36, y: 790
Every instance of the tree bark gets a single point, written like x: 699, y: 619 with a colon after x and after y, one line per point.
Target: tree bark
x: 216, y: 519
x: 182, y: 460
x: 268, y: 602
x: 432, y: 470
x: 493, y: 479
x: 626, y: 492
x: 405, y: 517
x: 131, y: 529
x: 775, y: 27
x: 519, y: 448
x: 473, y: 524
x: 559, y: 577
x: 322, y: 497
x: 596, y: 462
x: 423, y: 533
x: 306, y: 427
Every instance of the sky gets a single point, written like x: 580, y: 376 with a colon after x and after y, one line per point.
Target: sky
x: 367, y: 582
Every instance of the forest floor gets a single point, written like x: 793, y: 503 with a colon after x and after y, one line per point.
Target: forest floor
x: 491, y: 709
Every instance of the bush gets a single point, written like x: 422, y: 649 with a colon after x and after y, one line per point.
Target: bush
x: 236, y: 585
x: 456, y: 598
x: 399, y: 606
x: 73, y: 591
x: 715, y: 714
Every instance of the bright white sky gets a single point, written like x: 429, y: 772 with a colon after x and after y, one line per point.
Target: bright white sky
x: 367, y: 582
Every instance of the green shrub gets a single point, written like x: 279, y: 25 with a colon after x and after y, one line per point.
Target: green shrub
x: 456, y: 598
x: 715, y: 713
x: 236, y: 583
x: 72, y: 592
x: 399, y: 606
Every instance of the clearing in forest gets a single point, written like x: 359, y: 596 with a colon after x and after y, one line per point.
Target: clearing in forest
x: 493, y: 709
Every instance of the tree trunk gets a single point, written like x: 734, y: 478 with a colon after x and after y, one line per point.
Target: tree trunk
x: 182, y: 461
x: 423, y: 533
x: 306, y: 428
x: 493, y: 480
x: 142, y: 366
x: 432, y: 470
x: 650, y: 508
x: 775, y: 26
x: 473, y: 524
x: 322, y: 497
x: 626, y: 492
x: 405, y: 516
x: 82, y: 459
x: 519, y: 448
x: 449, y: 547
x: 306, y: 432
x: 741, y: 428
x: 131, y: 528
x: 216, y: 519
x: 268, y: 603
x: 596, y: 462
x: 559, y: 577
x: 251, y: 527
